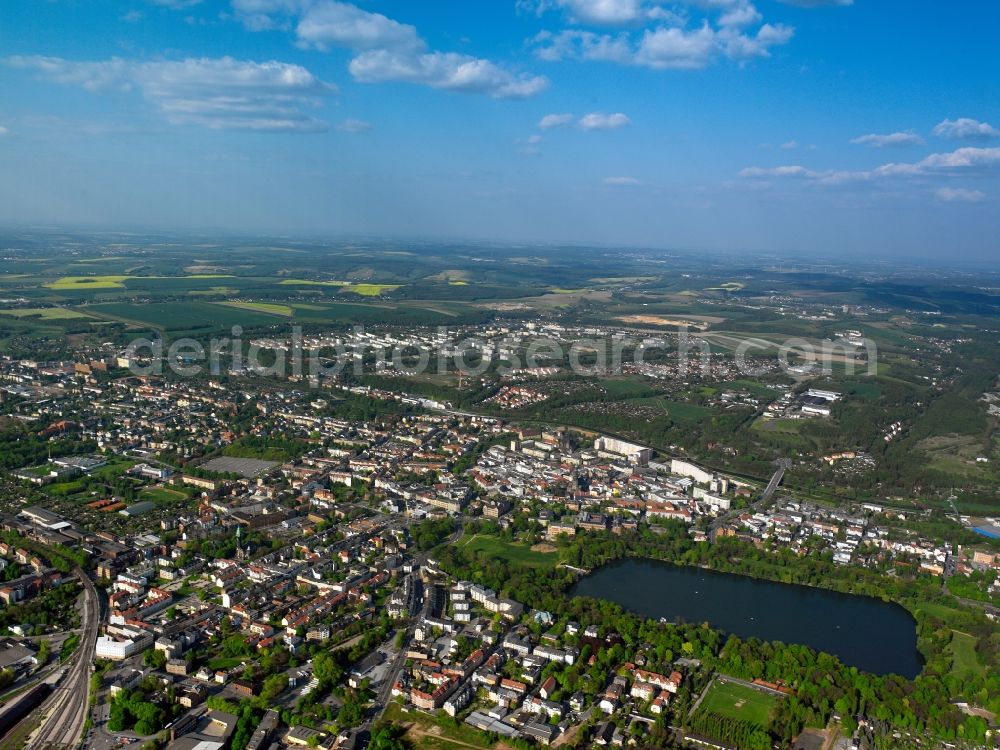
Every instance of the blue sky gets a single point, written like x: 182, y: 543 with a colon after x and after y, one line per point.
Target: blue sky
x: 805, y: 126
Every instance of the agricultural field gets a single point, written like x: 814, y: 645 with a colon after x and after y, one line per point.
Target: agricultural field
x: 112, y: 281
x: 271, y: 308
x: 45, y: 313
x: 183, y: 316
x: 87, y: 283
x: 312, y: 282
x: 371, y: 290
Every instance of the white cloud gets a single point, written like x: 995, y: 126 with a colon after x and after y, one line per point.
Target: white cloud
x: 555, y: 121
x: 665, y: 47
x: 217, y: 93
x: 602, y: 12
x: 351, y: 125
x: 602, y: 121
x: 880, y: 140
x: 963, y: 158
x: 583, y: 45
x: 133, y: 16
x: 335, y: 24
x: 788, y: 145
x: 741, y: 14
x: 534, y: 140
x: 786, y: 171
x: 385, y: 50
x: 959, y: 195
x: 3, y: 131
x: 445, y: 70
x: 951, y: 163
x: 676, y: 48
x: 966, y: 129
x: 621, y: 181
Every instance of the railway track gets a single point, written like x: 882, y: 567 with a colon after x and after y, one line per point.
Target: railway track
x: 64, y: 712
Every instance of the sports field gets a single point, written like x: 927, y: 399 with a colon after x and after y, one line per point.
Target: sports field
x: 737, y: 701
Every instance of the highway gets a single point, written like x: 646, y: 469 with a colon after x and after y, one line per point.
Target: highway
x: 64, y: 712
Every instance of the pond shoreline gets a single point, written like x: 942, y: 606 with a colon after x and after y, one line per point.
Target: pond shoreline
x: 870, y: 633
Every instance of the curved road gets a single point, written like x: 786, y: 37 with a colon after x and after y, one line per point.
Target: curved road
x: 64, y: 712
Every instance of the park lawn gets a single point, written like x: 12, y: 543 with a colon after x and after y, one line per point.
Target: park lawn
x: 941, y: 611
x: 739, y: 702
x: 45, y: 313
x: 511, y: 551
x: 963, y: 655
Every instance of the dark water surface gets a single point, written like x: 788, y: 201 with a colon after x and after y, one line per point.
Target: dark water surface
x: 866, y: 633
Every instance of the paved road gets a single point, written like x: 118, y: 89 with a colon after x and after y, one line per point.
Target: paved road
x: 399, y: 662
x: 64, y: 712
x: 783, y: 465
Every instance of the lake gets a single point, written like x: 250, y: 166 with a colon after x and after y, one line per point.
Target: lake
x: 863, y: 632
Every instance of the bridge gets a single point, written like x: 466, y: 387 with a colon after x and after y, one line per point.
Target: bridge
x: 783, y: 464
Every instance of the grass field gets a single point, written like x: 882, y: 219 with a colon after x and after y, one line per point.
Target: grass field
x: 678, y: 411
x: 519, y: 553
x: 161, y: 495
x: 739, y: 702
x: 45, y: 313
x: 783, y: 426
x: 113, y: 469
x: 424, y: 731
x: 963, y: 655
